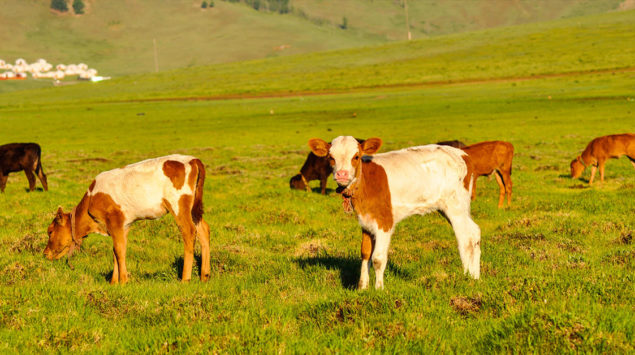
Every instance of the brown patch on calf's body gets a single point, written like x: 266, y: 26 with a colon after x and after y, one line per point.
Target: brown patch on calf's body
x: 175, y: 170
x: 371, y: 195
x: 106, y: 210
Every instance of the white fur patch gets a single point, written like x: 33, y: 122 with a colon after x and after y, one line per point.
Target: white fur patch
x: 140, y: 188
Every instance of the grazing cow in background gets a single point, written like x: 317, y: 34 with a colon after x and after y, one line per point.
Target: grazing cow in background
x: 599, y: 150
x: 146, y: 190
x: 22, y: 156
x: 388, y: 187
x: 493, y: 157
x: 454, y: 143
x: 314, y: 168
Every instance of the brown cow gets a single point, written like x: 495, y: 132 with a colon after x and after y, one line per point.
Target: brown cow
x: 146, y: 190
x: 599, y: 150
x: 314, y: 168
x: 493, y: 157
x: 22, y: 156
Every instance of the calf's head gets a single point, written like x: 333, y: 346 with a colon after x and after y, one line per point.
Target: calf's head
x: 577, y: 167
x: 60, y: 237
x: 296, y: 182
x: 345, y: 155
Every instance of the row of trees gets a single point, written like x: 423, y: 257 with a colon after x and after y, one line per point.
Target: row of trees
x: 279, y: 6
x: 62, y: 6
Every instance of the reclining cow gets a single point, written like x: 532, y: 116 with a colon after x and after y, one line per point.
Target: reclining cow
x: 388, y: 187
x: 599, y: 150
x: 314, y: 168
x: 146, y: 190
x: 22, y: 156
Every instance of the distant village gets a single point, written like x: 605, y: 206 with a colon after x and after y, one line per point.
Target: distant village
x: 42, y: 69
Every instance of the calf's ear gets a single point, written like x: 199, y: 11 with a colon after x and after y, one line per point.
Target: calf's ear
x: 371, y: 146
x: 319, y: 147
x: 59, y: 216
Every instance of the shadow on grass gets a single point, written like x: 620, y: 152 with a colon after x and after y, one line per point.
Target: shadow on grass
x: 177, y: 267
x: 349, y: 268
x: 318, y: 190
x: 38, y: 189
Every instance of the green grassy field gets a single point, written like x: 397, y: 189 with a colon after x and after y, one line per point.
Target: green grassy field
x: 557, y: 267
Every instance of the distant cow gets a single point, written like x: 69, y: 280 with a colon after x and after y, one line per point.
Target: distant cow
x: 388, y: 187
x: 145, y: 190
x: 314, y: 168
x: 454, y: 143
x: 599, y: 150
x: 22, y: 156
x: 493, y: 157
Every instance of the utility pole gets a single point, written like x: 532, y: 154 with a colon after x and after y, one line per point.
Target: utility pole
x: 156, y: 57
x: 405, y: 6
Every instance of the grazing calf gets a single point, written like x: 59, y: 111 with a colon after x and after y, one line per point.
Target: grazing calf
x: 454, y: 143
x: 599, y: 150
x: 314, y: 168
x: 388, y: 187
x: 146, y: 190
x: 493, y: 157
x: 22, y: 156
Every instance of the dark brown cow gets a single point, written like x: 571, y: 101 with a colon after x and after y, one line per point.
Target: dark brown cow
x: 454, y: 143
x: 599, y: 150
x: 493, y: 157
x: 314, y: 168
x: 21, y: 156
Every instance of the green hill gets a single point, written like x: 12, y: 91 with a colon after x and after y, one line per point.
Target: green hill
x: 117, y: 37
x: 593, y: 43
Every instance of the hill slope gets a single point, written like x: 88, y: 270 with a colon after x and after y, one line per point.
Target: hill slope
x: 117, y: 37
x: 602, y: 42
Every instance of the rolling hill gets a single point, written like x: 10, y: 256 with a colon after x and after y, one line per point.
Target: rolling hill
x: 117, y: 37
x: 588, y: 44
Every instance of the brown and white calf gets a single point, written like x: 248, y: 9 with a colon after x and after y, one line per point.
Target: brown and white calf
x: 599, y: 150
x: 145, y: 190
x: 493, y: 157
x: 22, y: 156
x: 388, y: 187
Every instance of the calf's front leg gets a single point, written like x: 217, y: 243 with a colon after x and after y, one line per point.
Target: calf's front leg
x: 119, y: 240
x: 380, y: 257
x: 368, y: 243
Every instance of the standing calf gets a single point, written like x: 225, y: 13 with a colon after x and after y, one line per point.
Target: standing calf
x: 493, y: 157
x: 146, y: 190
x: 388, y: 187
x: 599, y: 150
x: 22, y: 156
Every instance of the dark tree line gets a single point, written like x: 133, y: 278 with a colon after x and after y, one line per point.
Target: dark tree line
x: 62, y: 6
x: 279, y: 6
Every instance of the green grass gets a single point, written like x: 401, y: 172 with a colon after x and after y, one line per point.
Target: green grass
x: 557, y: 267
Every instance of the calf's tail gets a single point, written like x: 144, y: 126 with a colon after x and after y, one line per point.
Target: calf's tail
x: 197, y: 208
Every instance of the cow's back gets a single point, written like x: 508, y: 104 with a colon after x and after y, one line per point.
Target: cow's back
x: 141, y: 188
x: 419, y: 177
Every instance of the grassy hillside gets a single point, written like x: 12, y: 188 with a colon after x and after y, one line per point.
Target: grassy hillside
x: 601, y: 42
x: 387, y: 18
x: 116, y: 36
x: 557, y: 267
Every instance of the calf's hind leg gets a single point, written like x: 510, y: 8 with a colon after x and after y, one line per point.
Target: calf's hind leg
x: 202, y: 232
x: 468, y: 237
x: 31, y: 177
